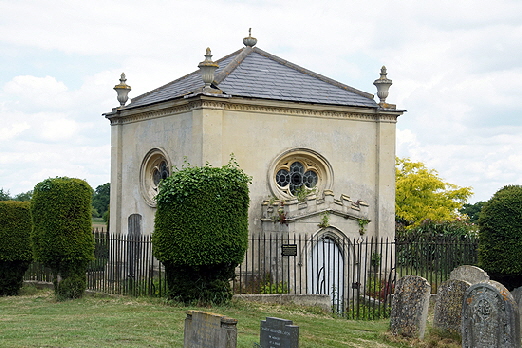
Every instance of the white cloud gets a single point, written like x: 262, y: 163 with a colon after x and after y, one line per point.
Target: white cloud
x: 455, y: 67
x: 10, y: 131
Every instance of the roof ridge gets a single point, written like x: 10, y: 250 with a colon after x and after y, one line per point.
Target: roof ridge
x: 192, y: 73
x: 311, y: 73
x: 161, y: 87
x: 234, y: 63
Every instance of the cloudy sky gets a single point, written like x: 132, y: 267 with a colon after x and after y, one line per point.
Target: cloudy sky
x: 456, y: 67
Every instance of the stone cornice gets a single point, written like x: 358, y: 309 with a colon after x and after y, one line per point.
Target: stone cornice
x: 123, y: 116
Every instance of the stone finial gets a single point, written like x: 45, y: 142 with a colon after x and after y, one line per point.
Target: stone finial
x: 249, y: 41
x: 207, y: 68
x: 123, y: 90
x: 383, y: 85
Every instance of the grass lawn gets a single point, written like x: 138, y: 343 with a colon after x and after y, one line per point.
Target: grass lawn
x: 35, y: 319
x: 99, y: 223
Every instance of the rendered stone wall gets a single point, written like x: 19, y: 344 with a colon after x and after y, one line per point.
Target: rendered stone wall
x: 359, y: 146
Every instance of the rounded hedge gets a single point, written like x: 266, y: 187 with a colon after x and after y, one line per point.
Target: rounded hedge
x: 500, y: 243
x: 15, y: 231
x: 62, y: 230
x: 15, y: 249
x: 201, y: 231
x: 202, y: 216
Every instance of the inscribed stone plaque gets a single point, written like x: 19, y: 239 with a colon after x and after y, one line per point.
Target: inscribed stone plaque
x: 490, y: 317
x: 448, y: 307
x: 209, y: 330
x: 279, y: 333
x: 471, y: 274
x: 410, y: 306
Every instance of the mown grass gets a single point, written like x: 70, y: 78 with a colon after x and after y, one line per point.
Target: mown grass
x: 35, y: 319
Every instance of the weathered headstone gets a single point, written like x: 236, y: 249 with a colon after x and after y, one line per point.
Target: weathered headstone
x: 490, y: 317
x: 279, y: 333
x: 410, y: 306
x: 209, y: 330
x: 448, y: 307
x: 517, y: 296
x: 471, y: 274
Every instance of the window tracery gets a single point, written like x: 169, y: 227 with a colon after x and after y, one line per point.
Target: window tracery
x: 299, y: 168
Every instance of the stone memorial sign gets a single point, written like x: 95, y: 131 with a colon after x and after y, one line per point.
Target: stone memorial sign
x: 490, y: 317
x: 471, y: 274
x: 209, y: 330
x: 279, y: 333
x: 448, y: 307
x: 410, y: 306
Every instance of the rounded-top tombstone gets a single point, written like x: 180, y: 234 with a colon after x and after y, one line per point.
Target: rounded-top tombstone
x: 410, y: 306
x: 471, y: 274
x: 490, y: 317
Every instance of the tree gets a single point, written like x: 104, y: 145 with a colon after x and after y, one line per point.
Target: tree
x: 500, y: 236
x: 24, y: 196
x: 4, y: 195
x: 201, y: 231
x: 101, y: 199
x: 472, y: 211
x: 421, y: 194
x: 62, y: 237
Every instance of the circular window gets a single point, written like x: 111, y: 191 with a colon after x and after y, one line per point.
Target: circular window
x: 299, y: 168
x: 154, y: 168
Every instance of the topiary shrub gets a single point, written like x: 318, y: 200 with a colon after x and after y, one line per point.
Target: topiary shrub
x: 500, y: 236
x: 62, y: 232
x: 201, y: 231
x: 15, y: 249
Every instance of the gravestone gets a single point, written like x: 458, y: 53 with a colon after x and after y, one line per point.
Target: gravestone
x: 209, y: 330
x: 448, y: 307
x: 410, y: 306
x: 471, y: 274
x: 279, y: 333
x: 517, y: 296
x: 490, y: 317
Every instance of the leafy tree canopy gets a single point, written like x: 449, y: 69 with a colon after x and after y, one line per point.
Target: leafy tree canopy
x: 21, y: 197
x: 421, y: 194
x: 472, y: 210
x: 101, y: 199
x: 4, y: 195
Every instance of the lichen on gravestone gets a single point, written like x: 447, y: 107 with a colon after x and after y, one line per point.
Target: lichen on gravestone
x: 471, y: 274
x: 410, y: 306
x: 448, y: 306
x: 490, y: 317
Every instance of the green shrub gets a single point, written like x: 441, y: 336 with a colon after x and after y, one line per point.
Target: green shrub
x: 62, y: 235
x: 500, y: 242
x: 15, y: 249
x: 201, y: 230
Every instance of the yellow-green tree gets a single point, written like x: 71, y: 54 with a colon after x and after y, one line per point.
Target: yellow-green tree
x: 421, y: 194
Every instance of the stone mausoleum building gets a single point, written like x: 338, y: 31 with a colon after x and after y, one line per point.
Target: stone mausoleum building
x: 287, y: 127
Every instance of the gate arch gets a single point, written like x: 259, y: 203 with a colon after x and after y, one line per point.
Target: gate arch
x: 328, y: 265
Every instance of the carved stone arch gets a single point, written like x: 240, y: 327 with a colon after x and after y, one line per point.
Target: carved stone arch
x: 328, y: 263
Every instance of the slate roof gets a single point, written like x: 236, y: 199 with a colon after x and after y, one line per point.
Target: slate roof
x: 254, y: 73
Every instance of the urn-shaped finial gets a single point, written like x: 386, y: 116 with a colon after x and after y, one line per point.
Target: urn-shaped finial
x: 383, y: 85
x: 123, y: 90
x: 249, y: 41
x: 207, y: 68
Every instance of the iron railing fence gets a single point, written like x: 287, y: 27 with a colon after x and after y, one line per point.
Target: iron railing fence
x: 122, y: 265
x: 357, y: 274
x: 434, y: 257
